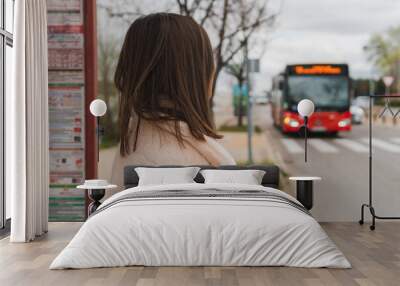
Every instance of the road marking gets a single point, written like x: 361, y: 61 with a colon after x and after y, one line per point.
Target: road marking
x: 395, y: 140
x: 352, y: 145
x: 292, y: 146
x: 323, y: 146
x: 384, y: 145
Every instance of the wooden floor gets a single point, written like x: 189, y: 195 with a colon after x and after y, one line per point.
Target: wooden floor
x: 375, y: 257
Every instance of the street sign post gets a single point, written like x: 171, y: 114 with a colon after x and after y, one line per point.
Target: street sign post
x: 252, y: 66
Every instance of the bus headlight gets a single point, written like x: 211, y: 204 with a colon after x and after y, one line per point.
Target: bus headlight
x: 291, y: 122
x: 344, y: 123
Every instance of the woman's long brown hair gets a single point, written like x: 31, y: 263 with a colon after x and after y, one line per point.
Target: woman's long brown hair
x: 164, y: 72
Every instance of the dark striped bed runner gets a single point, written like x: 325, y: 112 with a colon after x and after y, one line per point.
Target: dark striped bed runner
x: 206, y: 194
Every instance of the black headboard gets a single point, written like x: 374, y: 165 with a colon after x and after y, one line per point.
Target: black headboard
x: 270, y: 179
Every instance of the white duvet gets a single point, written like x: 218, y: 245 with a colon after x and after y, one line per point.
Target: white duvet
x: 199, y: 231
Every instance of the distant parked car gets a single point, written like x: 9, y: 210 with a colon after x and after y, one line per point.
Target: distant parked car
x: 361, y: 101
x: 357, y: 114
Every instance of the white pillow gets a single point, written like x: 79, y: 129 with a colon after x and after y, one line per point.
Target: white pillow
x: 165, y: 176
x: 248, y: 177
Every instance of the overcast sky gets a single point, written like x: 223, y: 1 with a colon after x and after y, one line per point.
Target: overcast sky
x: 326, y: 31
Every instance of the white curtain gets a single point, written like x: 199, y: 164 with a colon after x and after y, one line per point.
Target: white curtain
x: 27, y: 146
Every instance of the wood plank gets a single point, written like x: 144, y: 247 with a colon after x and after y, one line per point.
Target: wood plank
x: 375, y: 257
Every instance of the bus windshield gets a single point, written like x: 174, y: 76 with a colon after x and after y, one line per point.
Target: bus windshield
x: 327, y: 92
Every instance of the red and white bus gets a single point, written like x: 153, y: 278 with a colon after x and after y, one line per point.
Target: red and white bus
x: 327, y: 85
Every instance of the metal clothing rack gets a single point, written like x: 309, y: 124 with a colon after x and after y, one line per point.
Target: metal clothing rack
x: 370, y: 203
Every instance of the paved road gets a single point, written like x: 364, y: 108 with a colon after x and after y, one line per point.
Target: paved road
x: 342, y: 162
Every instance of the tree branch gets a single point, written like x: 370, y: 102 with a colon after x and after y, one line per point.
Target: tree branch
x: 208, y: 12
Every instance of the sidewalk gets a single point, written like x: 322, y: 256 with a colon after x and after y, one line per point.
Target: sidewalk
x: 236, y: 143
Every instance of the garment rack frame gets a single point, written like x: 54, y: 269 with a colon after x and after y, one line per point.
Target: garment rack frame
x: 369, y: 205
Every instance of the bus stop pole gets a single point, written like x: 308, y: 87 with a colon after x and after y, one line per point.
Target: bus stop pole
x: 249, y: 111
x: 249, y: 125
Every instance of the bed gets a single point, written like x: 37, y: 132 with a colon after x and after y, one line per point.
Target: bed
x: 198, y: 224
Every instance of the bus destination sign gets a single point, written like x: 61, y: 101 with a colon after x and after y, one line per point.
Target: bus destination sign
x: 318, y: 69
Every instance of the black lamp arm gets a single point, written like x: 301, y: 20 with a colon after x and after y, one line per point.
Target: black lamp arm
x: 99, y: 133
x: 305, y: 137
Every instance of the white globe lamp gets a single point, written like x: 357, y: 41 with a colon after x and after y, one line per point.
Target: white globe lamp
x: 305, y: 108
x: 98, y: 107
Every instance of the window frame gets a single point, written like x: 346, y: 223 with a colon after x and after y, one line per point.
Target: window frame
x: 6, y: 39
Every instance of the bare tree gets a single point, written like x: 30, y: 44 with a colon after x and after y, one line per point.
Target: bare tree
x: 231, y: 24
x: 129, y: 10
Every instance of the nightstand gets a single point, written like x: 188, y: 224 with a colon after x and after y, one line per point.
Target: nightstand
x: 304, y: 190
x: 96, y: 190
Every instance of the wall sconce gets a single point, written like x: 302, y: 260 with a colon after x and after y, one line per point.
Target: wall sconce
x: 98, y: 108
x: 305, y: 108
